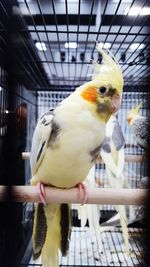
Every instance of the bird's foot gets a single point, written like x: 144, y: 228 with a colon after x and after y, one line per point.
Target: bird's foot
x: 82, y: 193
x: 41, y: 190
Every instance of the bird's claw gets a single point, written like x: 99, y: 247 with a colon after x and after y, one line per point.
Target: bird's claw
x: 41, y: 191
x: 82, y: 193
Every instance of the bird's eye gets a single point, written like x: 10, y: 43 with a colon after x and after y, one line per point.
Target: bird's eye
x: 103, y: 90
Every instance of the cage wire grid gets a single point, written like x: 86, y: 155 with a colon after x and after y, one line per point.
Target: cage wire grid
x: 52, y: 74
x: 131, y: 58
x: 104, y: 21
x: 84, y: 250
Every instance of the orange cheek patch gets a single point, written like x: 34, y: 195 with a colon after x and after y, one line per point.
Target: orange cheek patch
x: 90, y: 94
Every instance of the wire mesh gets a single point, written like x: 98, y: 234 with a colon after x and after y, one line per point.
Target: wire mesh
x: 16, y: 129
x: 84, y: 250
x: 108, y: 22
x: 53, y: 72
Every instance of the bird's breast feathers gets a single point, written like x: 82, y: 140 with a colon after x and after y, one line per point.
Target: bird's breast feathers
x: 71, y: 150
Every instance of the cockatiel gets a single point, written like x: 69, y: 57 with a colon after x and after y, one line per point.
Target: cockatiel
x: 64, y: 146
x: 112, y: 154
x: 140, y: 127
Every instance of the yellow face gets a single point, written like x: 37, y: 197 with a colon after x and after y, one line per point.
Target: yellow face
x: 103, y: 96
x: 105, y: 90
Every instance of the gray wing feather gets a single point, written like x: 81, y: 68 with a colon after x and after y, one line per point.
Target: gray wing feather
x: 40, y: 140
x: 39, y: 231
x: 117, y: 136
x: 106, y: 145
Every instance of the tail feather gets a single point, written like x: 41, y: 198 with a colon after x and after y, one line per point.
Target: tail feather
x: 39, y: 231
x: 52, y: 241
x: 51, y: 232
x: 118, y: 183
x: 123, y: 222
x: 65, y: 224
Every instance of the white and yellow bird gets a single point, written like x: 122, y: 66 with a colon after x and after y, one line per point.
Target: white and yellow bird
x: 91, y: 213
x: 64, y: 147
x: 112, y: 154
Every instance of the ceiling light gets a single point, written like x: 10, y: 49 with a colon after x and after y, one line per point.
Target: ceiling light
x: 135, y: 46
x: 0, y: 88
x: 41, y: 46
x: 72, y: 1
x: 135, y: 11
x: 105, y: 45
x: 22, y: 1
x: 145, y: 11
x: 71, y: 45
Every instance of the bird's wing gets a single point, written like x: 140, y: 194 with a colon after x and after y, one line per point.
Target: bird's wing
x: 40, y: 140
x: 117, y: 136
x: 106, y: 145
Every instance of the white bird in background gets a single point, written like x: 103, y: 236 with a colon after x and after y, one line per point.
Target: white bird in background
x: 64, y: 147
x: 112, y: 154
x: 91, y: 213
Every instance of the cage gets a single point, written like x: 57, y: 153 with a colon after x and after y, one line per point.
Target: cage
x: 46, y: 48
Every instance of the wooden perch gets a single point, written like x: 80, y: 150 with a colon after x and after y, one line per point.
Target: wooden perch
x: 128, y: 158
x: 95, y: 195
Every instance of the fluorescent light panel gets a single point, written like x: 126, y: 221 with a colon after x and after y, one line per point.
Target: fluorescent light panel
x: 22, y: 1
x: 41, y: 46
x: 105, y: 45
x: 135, y: 46
x: 135, y: 11
x: 71, y: 45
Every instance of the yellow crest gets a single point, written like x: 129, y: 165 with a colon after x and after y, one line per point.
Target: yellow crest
x: 109, y: 70
x: 133, y: 112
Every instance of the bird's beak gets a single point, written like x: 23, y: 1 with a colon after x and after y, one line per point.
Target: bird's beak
x: 116, y: 102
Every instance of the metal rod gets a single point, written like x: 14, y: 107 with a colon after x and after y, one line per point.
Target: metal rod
x: 95, y: 195
x: 88, y: 33
x: 121, y: 25
x: 80, y: 33
x: 48, y: 42
x: 130, y: 29
x: 68, y: 49
x: 58, y: 38
x: 78, y: 29
x: 34, y: 25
